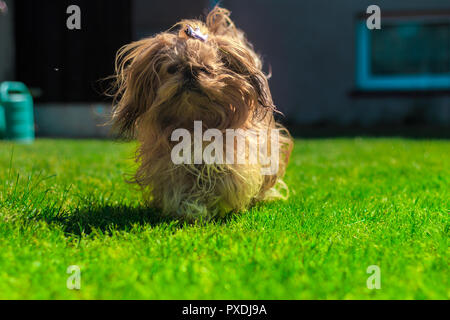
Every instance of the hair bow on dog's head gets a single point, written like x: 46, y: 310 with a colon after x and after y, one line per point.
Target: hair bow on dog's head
x: 196, y: 34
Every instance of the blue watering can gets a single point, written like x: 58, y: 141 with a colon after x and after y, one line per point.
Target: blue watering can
x: 18, y: 112
x: 2, y: 122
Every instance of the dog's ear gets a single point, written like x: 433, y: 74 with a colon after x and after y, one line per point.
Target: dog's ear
x: 244, y: 63
x: 219, y: 23
x: 238, y: 56
x: 136, y: 82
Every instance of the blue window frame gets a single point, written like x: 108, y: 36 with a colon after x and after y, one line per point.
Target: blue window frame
x: 407, y: 53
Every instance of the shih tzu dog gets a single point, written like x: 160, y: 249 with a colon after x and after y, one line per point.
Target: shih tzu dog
x: 187, y: 95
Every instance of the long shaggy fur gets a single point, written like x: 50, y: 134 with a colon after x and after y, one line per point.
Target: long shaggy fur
x: 169, y: 81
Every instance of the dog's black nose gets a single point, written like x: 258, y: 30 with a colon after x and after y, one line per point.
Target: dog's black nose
x: 190, y: 79
x: 189, y: 74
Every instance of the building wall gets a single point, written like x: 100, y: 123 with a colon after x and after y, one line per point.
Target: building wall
x: 151, y: 17
x: 7, y: 43
x: 310, y: 47
x: 73, y: 120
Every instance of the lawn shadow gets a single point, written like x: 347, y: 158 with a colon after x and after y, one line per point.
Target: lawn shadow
x: 110, y: 217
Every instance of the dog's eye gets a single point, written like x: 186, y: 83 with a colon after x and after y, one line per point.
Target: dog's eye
x: 204, y: 70
x: 172, y: 69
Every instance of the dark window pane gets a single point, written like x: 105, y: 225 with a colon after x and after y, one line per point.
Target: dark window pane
x: 66, y: 65
x: 411, y: 48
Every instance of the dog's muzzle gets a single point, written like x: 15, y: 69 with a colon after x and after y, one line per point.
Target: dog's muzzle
x: 190, y: 80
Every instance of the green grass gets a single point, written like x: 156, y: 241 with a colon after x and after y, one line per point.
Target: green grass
x: 354, y: 203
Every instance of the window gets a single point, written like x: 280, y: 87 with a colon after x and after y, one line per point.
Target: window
x: 65, y: 65
x: 410, y: 52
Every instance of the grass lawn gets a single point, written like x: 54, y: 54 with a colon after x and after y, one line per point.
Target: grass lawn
x: 354, y: 203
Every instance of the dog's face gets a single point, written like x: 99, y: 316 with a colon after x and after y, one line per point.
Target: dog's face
x: 202, y: 71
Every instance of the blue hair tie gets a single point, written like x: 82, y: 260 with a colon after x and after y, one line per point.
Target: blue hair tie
x: 196, y: 34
